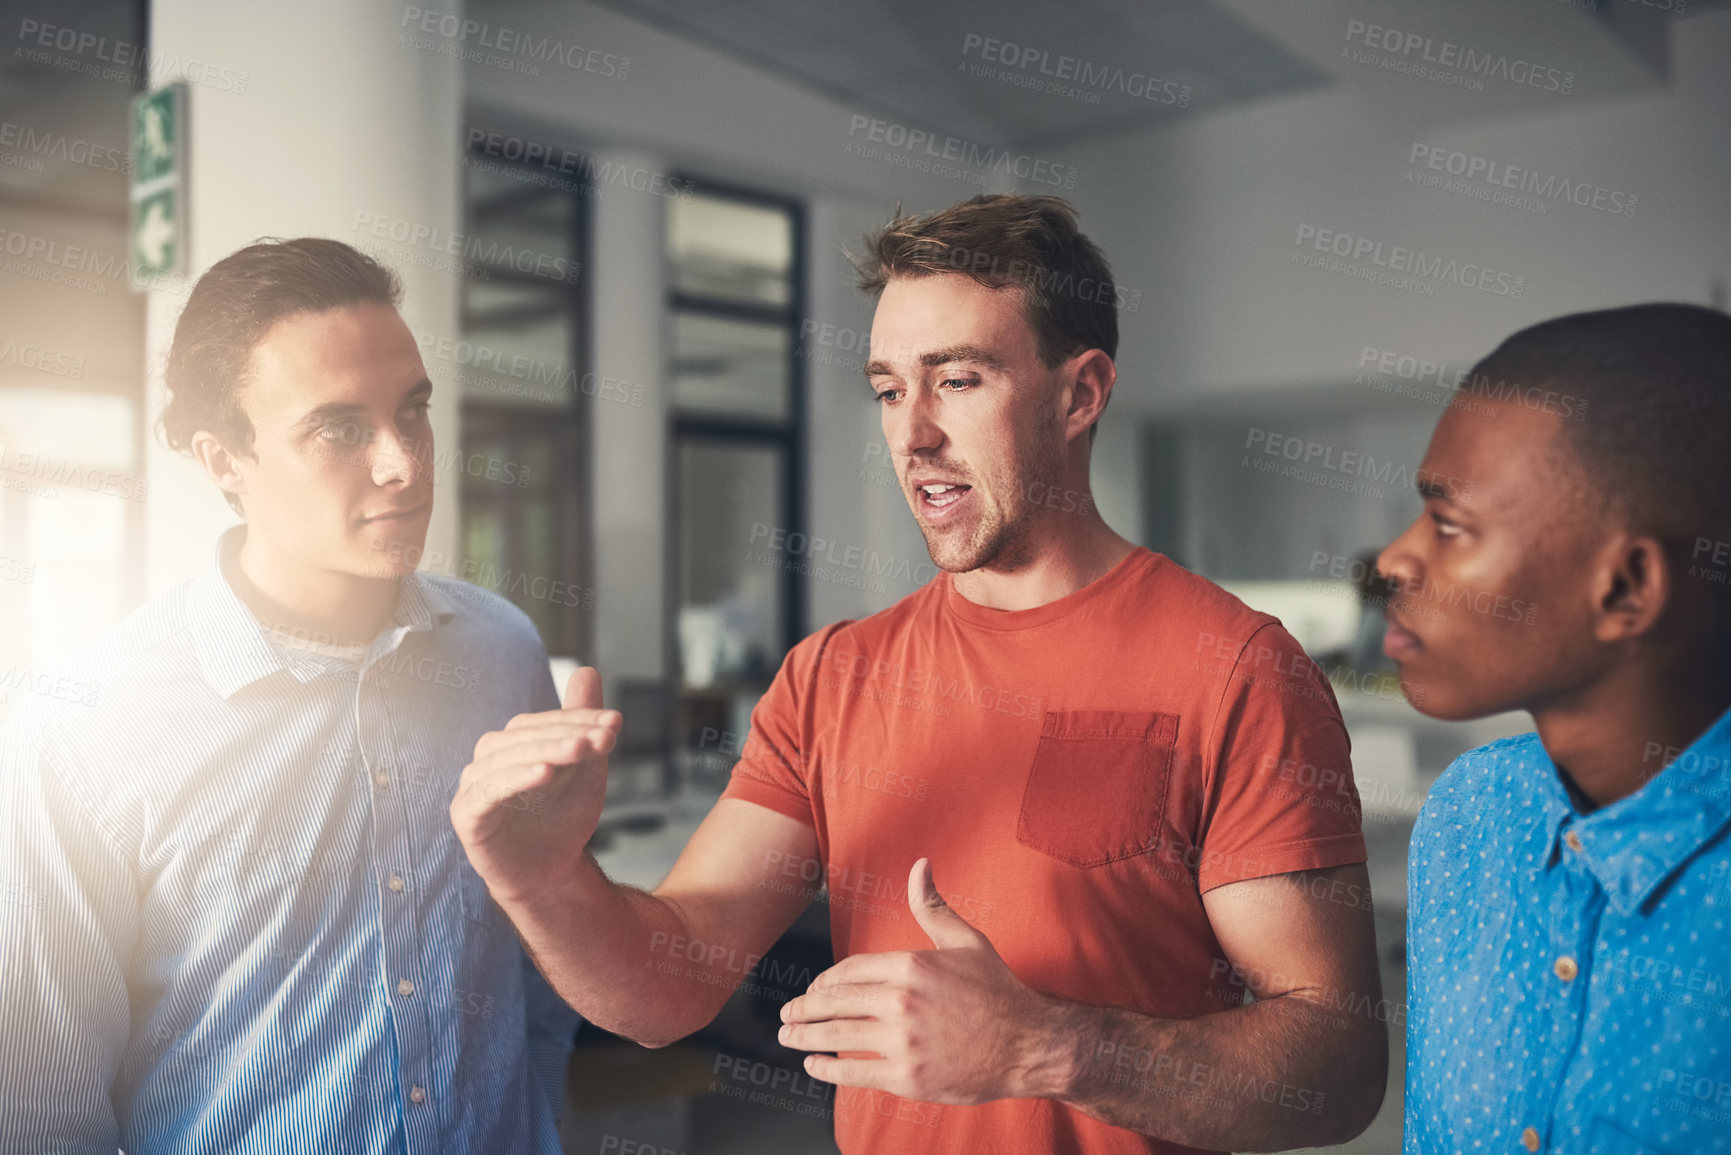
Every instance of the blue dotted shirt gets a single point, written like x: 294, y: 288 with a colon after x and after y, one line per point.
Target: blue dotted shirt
x: 1569, y: 974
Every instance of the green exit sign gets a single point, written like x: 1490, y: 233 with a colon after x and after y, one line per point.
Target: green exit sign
x: 157, y: 235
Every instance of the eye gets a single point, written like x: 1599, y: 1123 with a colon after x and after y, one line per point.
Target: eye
x: 960, y: 383
x: 343, y: 432
x: 1445, y: 527
x: 420, y: 409
x: 888, y: 396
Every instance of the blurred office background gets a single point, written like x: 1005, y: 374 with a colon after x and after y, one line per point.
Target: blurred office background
x: 621, y: 226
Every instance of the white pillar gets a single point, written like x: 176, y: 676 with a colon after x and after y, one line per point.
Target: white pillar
x: 303, y: 119
x: 629, y: 474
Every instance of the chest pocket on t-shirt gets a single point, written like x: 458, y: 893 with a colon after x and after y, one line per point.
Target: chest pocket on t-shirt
x: 1097, y: 788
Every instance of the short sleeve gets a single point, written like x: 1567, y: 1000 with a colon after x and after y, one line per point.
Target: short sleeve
x: 1280, y: 792
x: 771, y: 770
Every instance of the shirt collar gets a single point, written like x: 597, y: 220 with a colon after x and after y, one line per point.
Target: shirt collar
x: 1633, y: 845
x: 420, y: 606
x: 233, y: 652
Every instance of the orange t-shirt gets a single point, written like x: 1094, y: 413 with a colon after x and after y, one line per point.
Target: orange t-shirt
x: 1079, y: 774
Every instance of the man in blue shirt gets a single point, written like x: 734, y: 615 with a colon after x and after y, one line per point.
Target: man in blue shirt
x: 233, y: 914
x: 1569, y: 915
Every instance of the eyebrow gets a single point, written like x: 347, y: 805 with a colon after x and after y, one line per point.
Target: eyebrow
x: 419, y: 391
x: 1432, y: 489
x: 950, y: 355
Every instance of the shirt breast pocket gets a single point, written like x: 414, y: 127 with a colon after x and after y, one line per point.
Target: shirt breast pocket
x: 1606, y: 1138
x: 1096, y: 791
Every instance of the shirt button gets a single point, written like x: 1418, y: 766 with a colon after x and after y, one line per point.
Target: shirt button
x: 381, y: 780
x: 1573, y: 841
x: 1529, y: 1137
x: 417, y: 1095
x: 1566, y: 970
x: 405, y: 988
x: 396, y: 882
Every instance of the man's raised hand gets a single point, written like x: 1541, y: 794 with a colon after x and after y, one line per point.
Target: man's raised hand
x: 528, y: 803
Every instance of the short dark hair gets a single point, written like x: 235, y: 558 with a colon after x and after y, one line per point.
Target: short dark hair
x: 1651, y: 385
x: 231, y: 308
x: 1003, y: 240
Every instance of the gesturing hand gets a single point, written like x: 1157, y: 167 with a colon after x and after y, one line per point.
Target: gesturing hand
x: 527, y: 805
x: 948, y: 1025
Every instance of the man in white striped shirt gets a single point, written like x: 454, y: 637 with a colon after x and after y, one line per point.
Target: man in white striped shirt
x: 234, y: 916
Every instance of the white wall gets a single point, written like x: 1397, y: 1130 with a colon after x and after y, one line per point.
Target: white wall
x: 337, y: 116
x: 1202, y: 218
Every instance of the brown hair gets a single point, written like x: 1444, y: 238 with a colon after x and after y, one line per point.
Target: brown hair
x: 235, y: 303
x: 1003, y: 240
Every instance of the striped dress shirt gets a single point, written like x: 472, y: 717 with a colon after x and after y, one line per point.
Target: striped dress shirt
x: 234, y: 916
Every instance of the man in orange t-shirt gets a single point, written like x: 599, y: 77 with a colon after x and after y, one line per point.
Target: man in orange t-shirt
x: 1135, y: 790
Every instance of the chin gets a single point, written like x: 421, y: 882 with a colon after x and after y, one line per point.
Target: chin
x: 956, y: 556
x: 1449, y: 703
x: 390, y: 554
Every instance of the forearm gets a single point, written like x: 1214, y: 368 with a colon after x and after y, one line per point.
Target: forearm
x: 610, y: 952
x: 1280, y: 1073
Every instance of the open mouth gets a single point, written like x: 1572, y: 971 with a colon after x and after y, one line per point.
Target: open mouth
x: 1399, y: 642
x: 938, y: 498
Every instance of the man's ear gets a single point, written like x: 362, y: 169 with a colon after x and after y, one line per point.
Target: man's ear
x: 1632, y: 588
x: 1095, y: 374
x: 218, y: 463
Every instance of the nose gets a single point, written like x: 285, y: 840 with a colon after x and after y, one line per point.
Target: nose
x: 913, y: 427
x: 399, y: 459
x: 1398, y: 562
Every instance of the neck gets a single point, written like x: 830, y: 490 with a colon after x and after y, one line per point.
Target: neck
x: 1613, y: 737
x: 345, y: 608
x: 1054, y: 561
